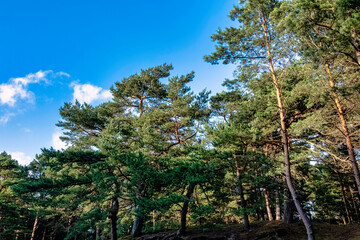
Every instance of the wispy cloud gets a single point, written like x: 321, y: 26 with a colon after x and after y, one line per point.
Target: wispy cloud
x: 56, y: 142
x: 16, y: 90
x: 21, y: 157
x: 89, y: 93
x: 6, y: 117
x: 27, y: 130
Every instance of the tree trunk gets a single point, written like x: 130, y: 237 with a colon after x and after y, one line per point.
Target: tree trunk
x: 285, y: 140
x: 139, y: 217
x: 34, y: 227
x: 184, y: 209
x: 346, y: 204
x: 97, y: 233
x: 243, y: 206
x: 137, y: 226
x: 288, y: 211
x: 354, y: 203
x: 268, y: 208
x: 277, y: 205
x: 241, y: 193
x: 345, y: 129
x: 113, y: 218
x: 153, y: 220
x: 44, y: 234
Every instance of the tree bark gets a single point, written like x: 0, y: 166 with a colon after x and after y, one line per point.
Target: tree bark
x: 137, y: 226
x: 285, y: 139
x: 277, y: 205
x: 184, y: 209
x: 243, y: 206
x: 354, y: 203
x: 34, y: 227
x: 242, y: 197
x: 346, y: 204
x: 153, y: 220
x: 345, y: 129
x: 288, y: 208
x: 268, y: 208
x: 44, y: 234
x: 97, y: 232
x: 113, y: 218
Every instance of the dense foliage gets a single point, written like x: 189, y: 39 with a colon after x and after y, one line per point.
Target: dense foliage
x: 281, y: 143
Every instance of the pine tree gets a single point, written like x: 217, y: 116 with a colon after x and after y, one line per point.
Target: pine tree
x: 257, y: 39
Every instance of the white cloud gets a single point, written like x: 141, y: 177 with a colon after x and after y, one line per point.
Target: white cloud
x: 17, y: 88
x: 89, y: 93
x: 10, y: 93
x: 56, y: 141
x: 21, y: 157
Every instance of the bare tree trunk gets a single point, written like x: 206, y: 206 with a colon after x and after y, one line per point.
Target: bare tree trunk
x: 97, y: 234
x: 139, y: 217
x: 184, y: 209
x: 288, y: 208
x: 153, y: 220
x: 260, y: 210
x: 44, y: 234
x: 243, y: 206
x: 344, y: 199
x: 34, y: 227
x: 345, y: 129
x: 343, y: 218
x: 137, y: 226
x: 113, y: 218
x: 354, y: 203
x: 277, y: 205
x: 268, y: 208
x: 68, y: 225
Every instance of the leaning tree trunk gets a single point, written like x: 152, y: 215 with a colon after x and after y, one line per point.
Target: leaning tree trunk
x: 285, y: 139
x: 290, y: 185
x: 268, y: 208
x: 285, y: 142
x: 345, y: 129
x: 34, y: 227
x: 184, y: 209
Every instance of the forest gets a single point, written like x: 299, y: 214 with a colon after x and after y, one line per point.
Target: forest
x: 281, y: 143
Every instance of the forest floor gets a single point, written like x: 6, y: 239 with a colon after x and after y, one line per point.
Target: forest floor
x: 275, y: 230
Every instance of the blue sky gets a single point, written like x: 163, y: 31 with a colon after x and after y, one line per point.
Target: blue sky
x: 52, y: 52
